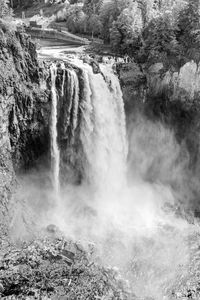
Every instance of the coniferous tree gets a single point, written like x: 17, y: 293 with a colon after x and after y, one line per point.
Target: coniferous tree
x: 92, y: 6
x: 5, y: 10
x: 126, y: 29
x: 188, y: 33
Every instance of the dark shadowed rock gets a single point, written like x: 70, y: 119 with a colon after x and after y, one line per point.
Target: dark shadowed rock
x: 95, y: 67
x: 52, y: 229
x: 24, y: 112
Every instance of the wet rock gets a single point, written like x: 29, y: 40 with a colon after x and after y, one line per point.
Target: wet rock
x: 68, y: 256
x: 1, y: 288
x: 53, y: 229
x: 52, y: 276
x: 24, y: 113
x: 86, y: 59
x: 95, y: 67
x: 134, y: 85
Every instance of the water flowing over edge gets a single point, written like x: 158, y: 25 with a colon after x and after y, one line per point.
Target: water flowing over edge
x: 55, y: 153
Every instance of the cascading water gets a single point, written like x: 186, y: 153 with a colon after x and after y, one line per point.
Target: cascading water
x: 103, y: 129
x: 63, y: 81
x: 95, y: 103
x: 75, y: 105
x: 55, y: 153
x: 102, y: 124
x: 71, y: 103
x: 105, y: 208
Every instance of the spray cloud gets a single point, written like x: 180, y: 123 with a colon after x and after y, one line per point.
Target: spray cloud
x: 123, y: 205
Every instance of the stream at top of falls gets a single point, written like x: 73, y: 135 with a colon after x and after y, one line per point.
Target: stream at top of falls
x: 128, y: 218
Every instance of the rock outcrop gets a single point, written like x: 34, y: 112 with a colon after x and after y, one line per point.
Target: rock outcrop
x: 134, y: 84
x: 182, y: 85
x: 170, y: 96
x: 24, y: 111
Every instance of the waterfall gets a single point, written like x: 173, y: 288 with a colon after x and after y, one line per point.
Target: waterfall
x: 55, y: 153
x: 75, y: 96
x: 103, y: 129
x: 63, y: 81
x: 119, y: 215
x: 71, y: 103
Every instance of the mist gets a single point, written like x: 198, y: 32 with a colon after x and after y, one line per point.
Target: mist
x: 133, y: 224
x: 135, y: 188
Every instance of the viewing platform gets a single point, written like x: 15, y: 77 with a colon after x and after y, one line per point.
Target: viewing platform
x: 59, y: 34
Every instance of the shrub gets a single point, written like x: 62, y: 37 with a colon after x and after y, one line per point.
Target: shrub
x: 188, y: 31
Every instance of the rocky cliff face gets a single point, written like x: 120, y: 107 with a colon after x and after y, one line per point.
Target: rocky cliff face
x: 179, y: 85
x: 172, y: 97
x: 133, y: 83
x: 24, y: 111
x: 168, y: 94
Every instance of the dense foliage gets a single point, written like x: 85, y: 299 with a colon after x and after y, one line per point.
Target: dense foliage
x: 148, y: 30
x: 144, y: 29
x: 5, y: 10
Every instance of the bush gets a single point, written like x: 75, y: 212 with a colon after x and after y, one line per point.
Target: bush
x: 76, y: 19
x: 125, y: 32
x: 159, y: 40
x: 5, y: 10
x: 188, y: 31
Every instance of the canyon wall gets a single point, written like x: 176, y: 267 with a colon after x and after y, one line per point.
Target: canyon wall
x: 167, y: 95
x: 170, y: 96
x: 24, y: 111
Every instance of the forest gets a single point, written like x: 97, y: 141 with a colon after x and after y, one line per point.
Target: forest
x: 147, y: 30
x: 99, y: 149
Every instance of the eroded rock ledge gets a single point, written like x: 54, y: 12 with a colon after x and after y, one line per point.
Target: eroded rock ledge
x: 24, y: 111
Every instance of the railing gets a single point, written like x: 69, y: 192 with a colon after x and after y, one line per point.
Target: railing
x: 65, y: 30
x: 56, y: 35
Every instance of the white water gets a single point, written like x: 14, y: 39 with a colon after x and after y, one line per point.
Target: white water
x: 103, y: 132
x: 55, y: 153
x: 63, y: 81
x: 72, y: 100
x: 125, y: 221
x: 75, y: 83
x: 130, y: 228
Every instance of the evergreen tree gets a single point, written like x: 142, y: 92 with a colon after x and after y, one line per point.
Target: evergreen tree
x: 75, y: 18
x: 126, y: 30
x: 109, y: 13
x: 188, y: 33
x: 5, y: 10
x: 92, y: 6
x: 160, y: 42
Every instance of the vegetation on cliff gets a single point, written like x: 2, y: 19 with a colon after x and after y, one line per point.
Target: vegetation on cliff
x: 146, y: 30
x: 56, y: 268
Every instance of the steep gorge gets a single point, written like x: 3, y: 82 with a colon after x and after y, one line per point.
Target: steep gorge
x: 25, y: 108
x: 76, y: 109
